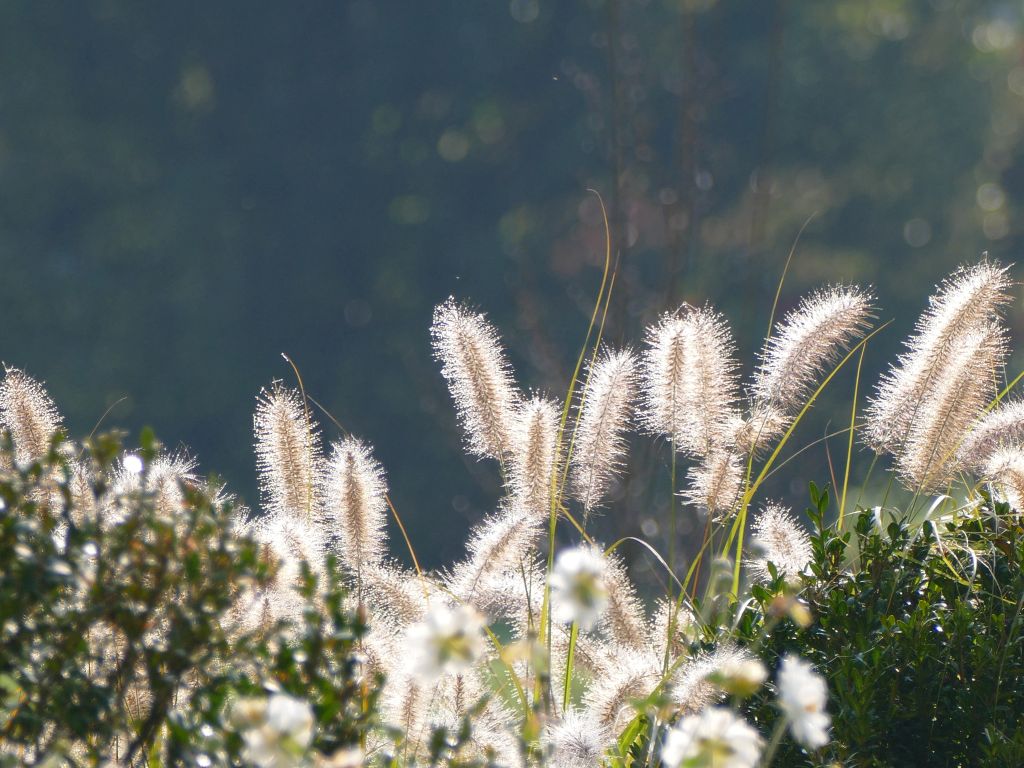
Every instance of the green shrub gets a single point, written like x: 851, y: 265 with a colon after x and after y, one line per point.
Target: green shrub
x: 918, y: 628
x: 115, y: 637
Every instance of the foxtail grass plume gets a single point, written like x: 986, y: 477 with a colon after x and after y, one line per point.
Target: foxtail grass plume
x: 287, y: 454
x: 599, y: 448
x: 953, y: 401
x: 624, y: 620
x: 807, y: 341
x: 397, y: 595
x: 164, y: 479
x: 778, y: 538
x: 690, y: 380
x: 534, y: 464
x: 575, y: 741
x: 355, y: 509
x: 1005, y: 467
x: 288, y: 542
x: 715, y: 483
x: 29, y: 414
x: 765, y: 424
x: 505, y: 542
x: 479, y: 378
x: 697, y: 682
x: 1001, y: 427
x: 967, y: 302
x: 631, y: 675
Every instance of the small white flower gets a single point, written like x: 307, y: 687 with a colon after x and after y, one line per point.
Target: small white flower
x: 578, y: 589
x: 741, y: 676
x: 343, y: 758
x: 277, y: 732
x: 802, y: 697
x: 715, y: 737
x: 447, y: 640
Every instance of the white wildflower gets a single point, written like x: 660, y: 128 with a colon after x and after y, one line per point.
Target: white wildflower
x: 802, y: 697
x: 715, y: 737
x: 578, y: 590
x: 447, y: 640
x: 740, y: 675
x: 276, y: 732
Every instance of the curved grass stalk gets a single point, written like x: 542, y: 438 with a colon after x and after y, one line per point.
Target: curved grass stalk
x: 570, y: 656
x: 1004, y: 392
x: 607, y: 282
x: 387, y: 497
x: 739, y: 525
x: 309, y: 421
x: 849, y: 446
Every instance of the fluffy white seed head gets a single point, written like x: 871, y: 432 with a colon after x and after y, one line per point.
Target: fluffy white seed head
x: 599, y: 449
x: 479, y: 378
x: 29, y: 414
x: 507, y: 542
x: 631, y: 675
x: 807, y: 341
x: 1001, y: 427
x: 624, y: 619
x: 576, y: 741
x: 287, y: 454
x: 690, y: 380
x: 288, y: 542
x: 967, y: 302
x: 164, y: 479
x: 397, y: 596
x: 696, y: 685
x: 715, y: 482
x: 355, y: 510
x: 1005, y: 468
x: 761, y: 429
x: 953, y: 401
x: 778, y: 538
x: 534, y: 462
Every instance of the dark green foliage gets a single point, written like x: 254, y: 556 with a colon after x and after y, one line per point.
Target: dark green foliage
x: 114, y: 636
x: 918, y: 632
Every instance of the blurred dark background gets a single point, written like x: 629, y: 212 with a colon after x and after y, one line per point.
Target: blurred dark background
x: 189, y: 189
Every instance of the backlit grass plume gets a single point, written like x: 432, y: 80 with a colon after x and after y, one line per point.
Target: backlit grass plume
x: 600, y: 444
x: 714, y: 483
x: 28, y: 413
x: 534, y: 462
x: 1005, y: 467
x: 355, y: 508
x: 952, y: 402
x: 778, y: 538
x: 1001, y: 427
x: 690, y: 380
x: 479, y: 378
x: 504, y: 543
x: 287, y: 454
x: 967, y: 302
x: 806, y: 342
